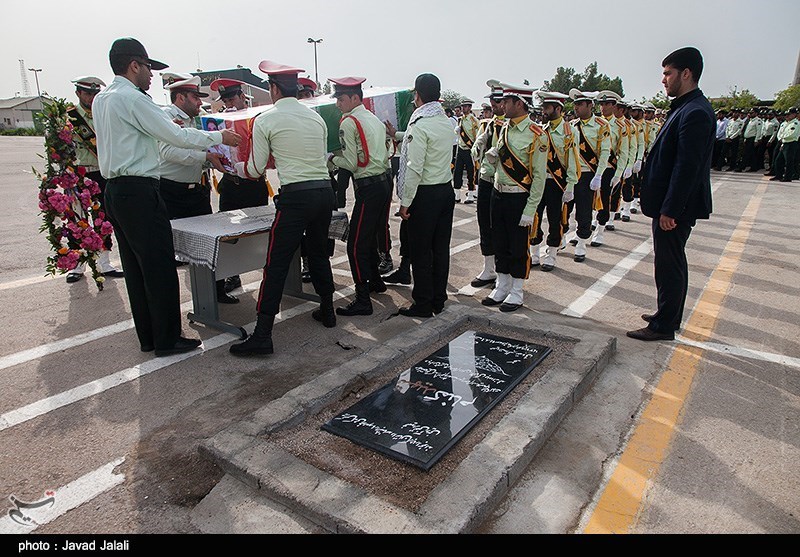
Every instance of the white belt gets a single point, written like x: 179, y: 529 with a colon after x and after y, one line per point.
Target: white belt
x: 509, y: 188
x: 91, y: 168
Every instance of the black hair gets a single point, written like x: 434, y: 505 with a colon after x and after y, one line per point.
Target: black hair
x: 428, y: 87
x: 286, y: 89
x: 120, y: 63
x: 173, y: 95
x: 448, y: 111
x: 686, y: 58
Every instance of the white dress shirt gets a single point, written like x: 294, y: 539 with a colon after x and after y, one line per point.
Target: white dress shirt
x: 178, y: 164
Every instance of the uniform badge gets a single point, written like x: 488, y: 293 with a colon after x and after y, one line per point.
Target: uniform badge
x: 410, y: 137
x: 341, y: 139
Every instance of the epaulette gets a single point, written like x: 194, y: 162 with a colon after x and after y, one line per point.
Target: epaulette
x: 601, y: 121
x: 535, y: 128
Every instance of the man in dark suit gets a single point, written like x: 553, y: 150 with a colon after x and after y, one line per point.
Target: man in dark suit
x: 676, y: 188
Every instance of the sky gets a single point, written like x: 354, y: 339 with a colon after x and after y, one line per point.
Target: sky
x: 745, y: 45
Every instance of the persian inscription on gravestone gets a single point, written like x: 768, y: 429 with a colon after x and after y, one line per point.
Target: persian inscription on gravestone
x: 420, y: 415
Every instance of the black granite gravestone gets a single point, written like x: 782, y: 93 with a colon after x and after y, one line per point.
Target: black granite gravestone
x: 420, y: 415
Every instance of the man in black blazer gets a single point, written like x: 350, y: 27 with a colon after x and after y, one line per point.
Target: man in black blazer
x: 676, y: 187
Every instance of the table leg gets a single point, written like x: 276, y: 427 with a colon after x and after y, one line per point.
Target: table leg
x: 294, y: 282
x: 204, y: 301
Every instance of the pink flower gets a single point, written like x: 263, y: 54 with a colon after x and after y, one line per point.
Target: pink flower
x: 106, y: 229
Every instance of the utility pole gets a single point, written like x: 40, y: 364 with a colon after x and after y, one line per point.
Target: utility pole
x: 316, y: 73
x: 36, y: 73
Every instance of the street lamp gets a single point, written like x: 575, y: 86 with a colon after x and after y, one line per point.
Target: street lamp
x: 316, y: 74
x: 36, y: 74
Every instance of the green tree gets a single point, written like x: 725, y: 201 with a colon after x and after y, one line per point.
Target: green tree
x: 789, y: 97
x: 659, y: 101
x: 590, y: 80
x: 326, y: 89
x: 451, y: 98
x: 564, y: 80
x: 743, y: 99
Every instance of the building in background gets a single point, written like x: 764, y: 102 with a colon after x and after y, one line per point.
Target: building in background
x: 17, y: 112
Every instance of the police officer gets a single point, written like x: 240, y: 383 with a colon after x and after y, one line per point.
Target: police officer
x: 184, y: 184
x: 363, y: 140
x: 83, y: 135
x: 563, y: 168
x: 594, y: 149
x: 129, y: 126
x: 520, y: 162
x: 617, y: 163
x: 296, y: 137
x: 752, y: 134
x: 786, y: 159
x: 733, y: 136
x: 234, y: 191
x: 488, y: 135
x: 622, y: 112
x: 631, y: 185
x: 650, y: 127
x: 467, y: 131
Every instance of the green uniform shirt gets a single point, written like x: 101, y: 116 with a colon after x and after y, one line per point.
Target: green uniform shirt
x: 734, y: 129
x: 487, y: 169
x: 529, y: 143
x: 640, y: 143
x: 651, y: 129
x: 296, y: 137
x: 469, y: 123
x: 564, y: 140
x: 754, y: 129
x: 771, y: 129
x: 790, y: 131
x: 619, y: 144
x: 178, y: 164
x: 354, y: 152
x: 84, y: 156
x: 429, y: 152
x: 597, y: 134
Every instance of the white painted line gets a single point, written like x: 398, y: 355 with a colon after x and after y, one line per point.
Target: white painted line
x: 66, y: 498
x: 465, y: 246
x: 604, y: 284
x: 26, y: 282
x: 742, y: 352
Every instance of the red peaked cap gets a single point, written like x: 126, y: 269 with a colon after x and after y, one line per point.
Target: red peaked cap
x: 280, y: 73
x: 346, y: 85
x: 226, y: 87
x: 306, y: 83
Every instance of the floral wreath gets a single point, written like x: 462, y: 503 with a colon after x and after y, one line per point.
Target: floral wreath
x: 70, y: 203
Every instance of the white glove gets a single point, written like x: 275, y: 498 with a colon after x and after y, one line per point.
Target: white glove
x: 596, y: 182
x: 627, y: 173
x: 491, y: 155
x: 526, y: 221
x: 480, y: 142
x: 239, y: 167
x: 637, y: 166
x: 614, y: 182
x: 568, y: 196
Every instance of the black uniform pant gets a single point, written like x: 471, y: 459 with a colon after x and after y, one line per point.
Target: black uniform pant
x: 238, y: 193
x: 464, y: 163
x: 748, y: 154
x: 365, y: 222
x: 383, y: 236
x: 583, y: 205
x: 144, y: 239
x: 719, y: 151
x: 604, y: 212
x: 786, y: 161
x: 297, y: 212
x: 616, y: 195
x: 671, y: 271
x: 430, y: 226
x: 185, y: 200
x: 485, y: 190
x: 758, y: 158
x: 511, y: 254
x: 553, y: 205
x: 342, y: 182
x: 629, y: 187
x: 731, y: 152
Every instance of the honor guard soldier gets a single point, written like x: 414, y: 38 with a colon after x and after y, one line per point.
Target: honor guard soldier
x: 563, y: 170
x: 184, y: 185
x: 488, y: 135
x: 520, y: 162
x: 752, y: 134
x: 771, y: 127
x: 617, y: 163
x: 129, y: 128
x: 83, y: 135
x: 733, y: 136
x: 622, y: 111
x: 631, y: 185
x: 427, y: 198
x: 650, y: 128
x: 786, y: 159
x: 594, y: 149
x: 234, y: 191
x: 467, y: 131
x: 296, y: 137
x: 363, y: 141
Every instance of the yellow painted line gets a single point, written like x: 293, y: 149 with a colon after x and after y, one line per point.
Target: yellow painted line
x: 618, y: 507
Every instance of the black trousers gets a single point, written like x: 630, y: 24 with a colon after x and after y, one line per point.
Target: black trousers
x: 552, y: 203
x: 732, y: 152
x: 383, y: 236
x: 748, y: 154
x: 671, y: 271
x: 511, y: 254
x: 786, y: 161
x: 604, y: 213
x: 484, y: 204
x: 717, y: 157
x: 183, y: 201
x: 296, y: 213
x: 342, y: 181
x: 365, y: 222
x: 616, y: 195
x: 464, y: 162
x: 144, y: 240
x: 583, y: 205
x: 238, y: 193
x: 430, y: 227
x: 758, y: 157
x: 629, y: 187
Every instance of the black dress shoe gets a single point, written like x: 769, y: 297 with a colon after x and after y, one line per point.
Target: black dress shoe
x: 648, y: 317
x: 775, y: 179
x: 232, y: 283
x: 305, y: 277
x: 225, y: 298
x: 579, y: 258
x: 398, y: 277
x: 146, y: 347
x: 489, y: 301
x: 480, y: 283
x: 325, y: 315
x: 181, y: 345
x: 626, y: 218
x: 74, y: 277
x: 646, y: 333
x: 415, y: 311
x: 504, y: 307
x: 113, y: 274
x: 573, y: 242
x: 438, y: 309
x: 377, y: 286
x: 610, y: 227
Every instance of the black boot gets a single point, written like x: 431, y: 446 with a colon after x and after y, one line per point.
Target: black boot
x: 325, y: 313
x: 260, y: 342
x: 222, y: 296
x: 402, y: 275
x: 361, y: 305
